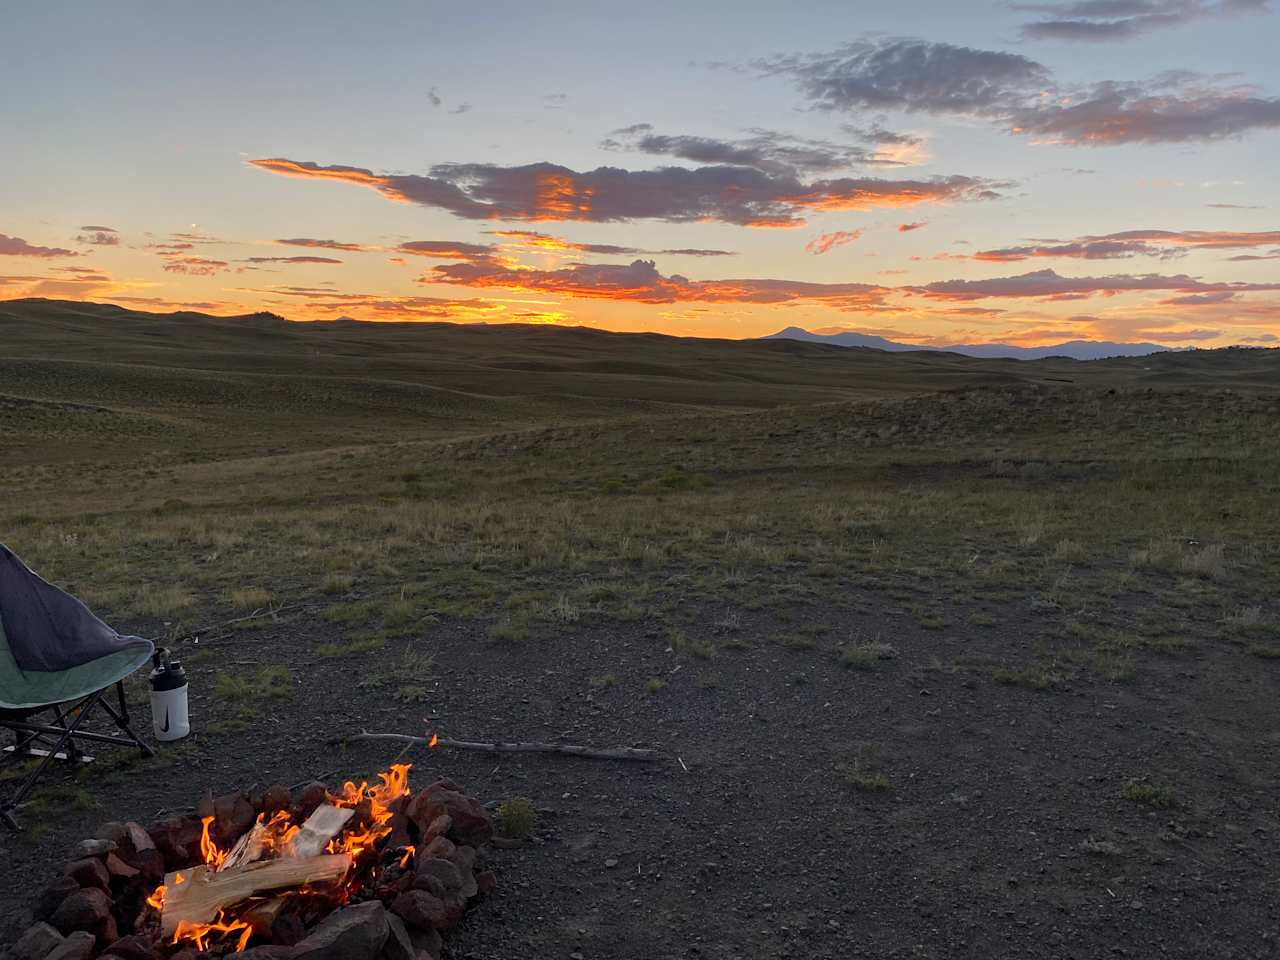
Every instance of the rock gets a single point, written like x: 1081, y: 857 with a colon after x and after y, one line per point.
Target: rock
x: 470, y: 823
x: 398, y: 945
x: 51, y: 897
x: 118, y: 868
x: 275, y: 799
x: 138, y: 838
x: 77, y: 946
x: 426, y: 942
x: 108, y: 931
x: 421, y: 909
x: 268, y: 951
x: 440, y: 847
x: 464, y: 858
x: 89, y: 872
x: 113, y: 830
x: 486, y: 881
x: 95, y: 848
x: 86, y: 909
x: 438, y: 827
x: 150, y: 864
x: 352, y: 933
x: 288, y: 929
x: 134, y: 947
x: 313, y: 794
x: 444, y: 871
x: 233, y: 816
x: 430, y: 883
x: 35, y: 942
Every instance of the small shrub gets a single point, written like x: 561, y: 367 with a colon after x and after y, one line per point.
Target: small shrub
x: 269, y: 683
x: 509, y: 630
x: 336, y: 583
x: 517, y: 817
x: 654, y: 685
x: 362, y: 644
x: 1150, y: 794
x: 249, y: 598
x: 607, y: 680
x: 1033, y: 678
x: 864, y: 656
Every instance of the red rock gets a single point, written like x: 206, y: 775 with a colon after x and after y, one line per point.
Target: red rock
x: 352, y: 933
x: 438, y: 827
x: 441, y: 848
x: 463, y: 857
x: 313, y: 794
x: 77, y: 946
x: 108, y: 931
x: 233, y: 816
x: 85, y: 909
x: 426, y: 942
x: 444, y: 871
x: 471, y: 824
x: 51, y: 897
x: 118, y: 868
x: 275, y: 799
x: 398, y: 945
x: 421, y: 909
x: 486, y: 881
x: 150, y: 865
x: 89, y: 872
x: 134, y: 947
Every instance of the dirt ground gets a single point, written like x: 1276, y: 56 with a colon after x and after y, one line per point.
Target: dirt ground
x: 1000, y: 827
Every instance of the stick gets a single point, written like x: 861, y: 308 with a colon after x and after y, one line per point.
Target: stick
x: 272, y: 612
x: 497, y: 746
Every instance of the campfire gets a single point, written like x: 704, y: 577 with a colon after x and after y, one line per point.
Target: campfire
x: 356, y: 871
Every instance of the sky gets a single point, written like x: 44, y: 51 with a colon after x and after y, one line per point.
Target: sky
x: 932, y: 172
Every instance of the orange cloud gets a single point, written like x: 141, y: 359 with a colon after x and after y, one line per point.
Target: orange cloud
x: 825, y: 241
x: 545, y: 191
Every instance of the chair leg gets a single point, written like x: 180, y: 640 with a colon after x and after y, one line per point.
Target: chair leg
x: 61, y: 745
x: 122, y: 721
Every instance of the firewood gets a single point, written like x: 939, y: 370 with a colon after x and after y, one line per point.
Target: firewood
x: 247, y: 849
x: 262, y: 915
x: 498, y: 746
x: 323, y: 825
x: 201, y: 894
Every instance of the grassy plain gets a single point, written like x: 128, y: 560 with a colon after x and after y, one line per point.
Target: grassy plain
x: 666, y: 525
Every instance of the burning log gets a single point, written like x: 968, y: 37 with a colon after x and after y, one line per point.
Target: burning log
x: 325, y: 822
x: 198, y: 895
x: 498, y: 746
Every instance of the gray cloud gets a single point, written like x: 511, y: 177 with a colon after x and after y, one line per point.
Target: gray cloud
x: 1049, y: 285
x: 549, y: 192
x: 17, y: 247
x: 912, y: 75
x: 766, y: 150
x: 1009, y: 90
x: 1109, y: 20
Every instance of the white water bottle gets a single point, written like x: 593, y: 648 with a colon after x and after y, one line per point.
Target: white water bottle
x: 169, y: 698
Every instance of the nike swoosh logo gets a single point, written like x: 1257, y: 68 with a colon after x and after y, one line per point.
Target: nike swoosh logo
x: 164, y: 727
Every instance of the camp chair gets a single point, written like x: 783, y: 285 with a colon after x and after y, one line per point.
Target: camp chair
x: 57, y: 658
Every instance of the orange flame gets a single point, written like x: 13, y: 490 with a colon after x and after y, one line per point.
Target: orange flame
x: 157, y: 898
x: 395, y: 784
x: 435, y: 742
x: 214, y: 857
x: 198, y: 933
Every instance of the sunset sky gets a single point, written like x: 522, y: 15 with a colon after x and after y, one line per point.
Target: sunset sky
x: 933, y: 172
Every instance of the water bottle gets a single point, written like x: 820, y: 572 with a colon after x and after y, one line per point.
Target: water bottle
x: 168, y: 698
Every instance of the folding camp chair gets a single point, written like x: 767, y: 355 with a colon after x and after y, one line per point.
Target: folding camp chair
x: 57, y: 658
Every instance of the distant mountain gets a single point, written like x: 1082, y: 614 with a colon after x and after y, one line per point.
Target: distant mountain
x: 1075, y: 349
